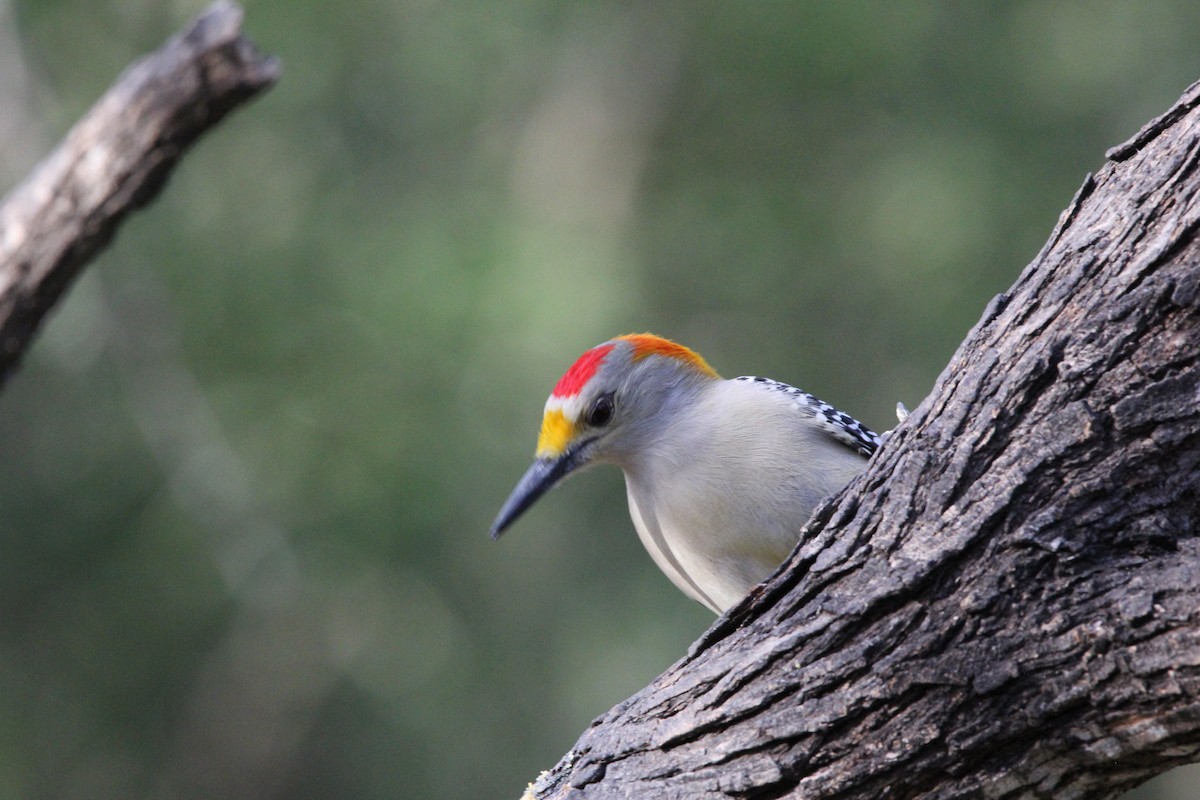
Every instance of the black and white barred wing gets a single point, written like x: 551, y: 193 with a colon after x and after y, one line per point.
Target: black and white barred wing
x: 839, y: 425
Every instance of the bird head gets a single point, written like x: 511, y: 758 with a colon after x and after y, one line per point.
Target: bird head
x: 603, y: 409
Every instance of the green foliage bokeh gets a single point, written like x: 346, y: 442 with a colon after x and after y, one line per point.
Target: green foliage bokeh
x: 248, y: 468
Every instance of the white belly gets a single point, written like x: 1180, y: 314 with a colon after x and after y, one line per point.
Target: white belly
x: 701, y: 565
x: 722, y: 507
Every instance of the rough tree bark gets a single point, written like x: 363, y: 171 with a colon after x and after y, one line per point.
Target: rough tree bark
x: 115, y: 160
x: 1006, y: 604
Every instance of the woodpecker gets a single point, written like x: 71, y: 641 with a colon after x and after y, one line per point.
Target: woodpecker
x: 721, y: 475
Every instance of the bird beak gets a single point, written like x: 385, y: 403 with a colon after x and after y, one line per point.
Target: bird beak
x: 537, y: 480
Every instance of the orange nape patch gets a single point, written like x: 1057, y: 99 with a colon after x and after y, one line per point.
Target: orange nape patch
x: 647, y: 344
x: 574, y: 379
x: 557, y: 432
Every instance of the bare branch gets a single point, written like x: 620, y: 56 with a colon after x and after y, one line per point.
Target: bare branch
x: 116, y: 159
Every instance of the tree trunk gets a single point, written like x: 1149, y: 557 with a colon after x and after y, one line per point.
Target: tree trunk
x: 1007, y: 602
x: 114, y: 160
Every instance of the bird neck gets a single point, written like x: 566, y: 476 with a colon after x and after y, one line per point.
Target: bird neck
x: 669, y: 423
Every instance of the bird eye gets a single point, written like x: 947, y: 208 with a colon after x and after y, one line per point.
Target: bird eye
x: 600, y: 414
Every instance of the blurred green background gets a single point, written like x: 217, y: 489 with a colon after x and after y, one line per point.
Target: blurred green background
x: 247, y: 470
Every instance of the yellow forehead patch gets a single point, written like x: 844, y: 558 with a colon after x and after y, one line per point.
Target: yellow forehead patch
x: 557, y: 432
